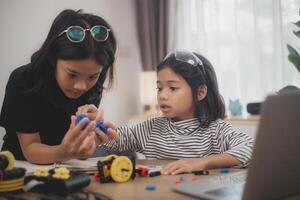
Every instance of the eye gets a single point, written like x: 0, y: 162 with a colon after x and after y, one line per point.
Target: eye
x: 173, y: 88
x: 72, y: 75
x: 158, y: 89
x: 94, y: 77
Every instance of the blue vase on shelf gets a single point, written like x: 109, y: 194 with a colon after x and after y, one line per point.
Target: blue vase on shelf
x: 235, y: 107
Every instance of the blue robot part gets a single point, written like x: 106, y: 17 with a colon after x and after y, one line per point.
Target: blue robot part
x: 102, y: 126
x: 81, y: 117
x: 99, y: 124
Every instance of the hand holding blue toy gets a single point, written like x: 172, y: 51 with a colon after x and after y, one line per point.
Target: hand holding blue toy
x: 99, y: 124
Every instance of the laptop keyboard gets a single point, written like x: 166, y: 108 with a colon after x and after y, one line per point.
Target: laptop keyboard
x: 233, y: 185
x: 229, y: 179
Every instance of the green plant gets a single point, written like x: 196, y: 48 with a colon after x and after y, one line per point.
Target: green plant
x: 294, y: 56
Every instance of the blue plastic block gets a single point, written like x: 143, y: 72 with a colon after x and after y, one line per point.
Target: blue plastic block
x: 150, y: 187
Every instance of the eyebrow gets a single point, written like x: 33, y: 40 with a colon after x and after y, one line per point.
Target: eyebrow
x: 169, y: 81
x: 75, y: 72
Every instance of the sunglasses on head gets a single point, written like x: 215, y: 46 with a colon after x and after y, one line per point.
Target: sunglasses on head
x: 187, y: 57
x: 77, y: 33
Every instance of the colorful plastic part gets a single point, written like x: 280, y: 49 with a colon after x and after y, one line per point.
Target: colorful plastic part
x: 150, y: 187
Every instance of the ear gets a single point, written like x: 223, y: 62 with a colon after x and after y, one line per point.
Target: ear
x: 202, y: 92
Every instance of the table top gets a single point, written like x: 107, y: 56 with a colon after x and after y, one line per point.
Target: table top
x: 136, y: 189
x: 133, y: 189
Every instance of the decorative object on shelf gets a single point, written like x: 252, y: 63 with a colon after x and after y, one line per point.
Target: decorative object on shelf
x: 294, y: 56
x: 253, y: 108
x: 148, y: 91
x: 235, y: 107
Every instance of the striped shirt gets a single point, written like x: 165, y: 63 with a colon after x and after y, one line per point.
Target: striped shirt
x: 162, y: 138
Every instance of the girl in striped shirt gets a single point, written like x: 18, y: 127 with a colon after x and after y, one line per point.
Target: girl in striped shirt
x: 192, y: 130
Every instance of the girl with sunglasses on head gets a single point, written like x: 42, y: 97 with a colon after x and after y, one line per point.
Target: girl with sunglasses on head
x: 192, y: 129
x: 66, y: 75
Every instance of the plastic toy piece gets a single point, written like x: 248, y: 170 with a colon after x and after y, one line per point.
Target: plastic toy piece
x: 181, y: 178
x: 61, y: 173
x: 81, y: 117
x: 99, y: 124
x: 116, y: 168
x: 11, y: 178
x: 41, y: 172
x: 7, y: 160
x: 224, y: 170
x: 150, y: 187
x: 154, y: 173
x: 200, y: 172
x: 142, y: 171
x: 102, y: 127
x: 121, y: 169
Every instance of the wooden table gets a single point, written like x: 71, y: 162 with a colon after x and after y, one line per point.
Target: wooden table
x: 136, y: 189
x: 133, y: 189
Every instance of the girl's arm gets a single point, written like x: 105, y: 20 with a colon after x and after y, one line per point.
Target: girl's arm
x: 125, y: 138
x: 235, y: 150
x: 77, y: 143
x: 193, y: 164
x: 237, y: 144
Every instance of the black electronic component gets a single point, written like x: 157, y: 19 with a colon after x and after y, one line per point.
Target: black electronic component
x: 58, y: 186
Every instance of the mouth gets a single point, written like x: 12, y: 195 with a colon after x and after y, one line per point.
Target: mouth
x: 165, y: 108
x: 75, y: 95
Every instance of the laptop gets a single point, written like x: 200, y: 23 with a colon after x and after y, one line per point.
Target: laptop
x: 274, y: 171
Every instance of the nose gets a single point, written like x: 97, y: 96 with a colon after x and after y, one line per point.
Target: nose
x: 80, y: 85
x: 162, y: 95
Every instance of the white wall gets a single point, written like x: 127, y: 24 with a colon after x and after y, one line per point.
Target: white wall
x: 25, y: 24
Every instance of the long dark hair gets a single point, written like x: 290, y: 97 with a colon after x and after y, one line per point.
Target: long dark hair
x: 212, y: 106
x: 44, y: 60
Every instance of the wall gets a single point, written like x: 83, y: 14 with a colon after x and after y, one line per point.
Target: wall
x: 25, y: 24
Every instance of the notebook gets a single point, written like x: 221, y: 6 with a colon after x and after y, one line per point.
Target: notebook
x: 274, y: 172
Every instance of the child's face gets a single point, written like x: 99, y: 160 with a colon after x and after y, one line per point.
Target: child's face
x: 174, y: 95
x: 75, y: 77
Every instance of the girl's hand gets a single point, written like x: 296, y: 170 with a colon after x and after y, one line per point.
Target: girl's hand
x: 79, y: 141
x: 184, y: 166
x: 102, y: 138
x: 90, y: 109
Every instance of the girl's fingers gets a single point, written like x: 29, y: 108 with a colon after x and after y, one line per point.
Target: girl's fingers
x: 82, y: 124
x: 112, y: 134
x: 88, y: 108
x: 178, y: 171
x: 87, y: 147
x: 73, y: 122
x: 110, y: 125
x: 80, y: 110
x: 91, y: 108
x: 173, y: 169
x: 83, y: 133
x: 98, y: 141
x: 102, y: 137
x: 167, y: 169
x: 75, y: 129
x: 100, y: 115
x: 91, y: 116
